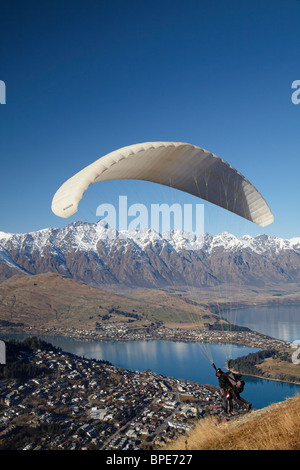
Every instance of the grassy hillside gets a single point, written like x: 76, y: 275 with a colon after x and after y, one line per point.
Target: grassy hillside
x: 50, y: 300
x: 273, y: 428
x: 270, y: 363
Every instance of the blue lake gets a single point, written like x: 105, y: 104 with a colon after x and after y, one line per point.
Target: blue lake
x: 282, y: 322
x: 192, y: 361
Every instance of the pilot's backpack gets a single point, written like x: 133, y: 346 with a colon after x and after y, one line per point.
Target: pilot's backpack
x: 236, y: 382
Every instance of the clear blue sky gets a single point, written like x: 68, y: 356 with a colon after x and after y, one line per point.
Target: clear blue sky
x: 85, y: 78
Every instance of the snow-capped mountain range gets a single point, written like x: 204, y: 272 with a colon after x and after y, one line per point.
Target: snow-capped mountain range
x: 97, y: 255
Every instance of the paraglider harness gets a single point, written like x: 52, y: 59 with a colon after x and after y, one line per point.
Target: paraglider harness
x: 236, y: 383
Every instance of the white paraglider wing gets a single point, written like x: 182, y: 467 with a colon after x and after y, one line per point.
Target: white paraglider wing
x: 179, y: 165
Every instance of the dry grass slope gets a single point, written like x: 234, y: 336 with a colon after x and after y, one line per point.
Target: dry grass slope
x: 273, y: 428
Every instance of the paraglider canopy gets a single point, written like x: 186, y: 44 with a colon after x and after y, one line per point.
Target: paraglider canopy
x: 179, y: 165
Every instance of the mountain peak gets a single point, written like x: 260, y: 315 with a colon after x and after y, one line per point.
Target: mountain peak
x: 95, y: 253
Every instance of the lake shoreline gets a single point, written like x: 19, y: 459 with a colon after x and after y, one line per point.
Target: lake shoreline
x: 266, y: 378
x: 249, y: 338
x: 243, y: 338
x: 179, y: 339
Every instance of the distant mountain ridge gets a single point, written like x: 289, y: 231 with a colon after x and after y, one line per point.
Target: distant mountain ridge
x: 98, y: 255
